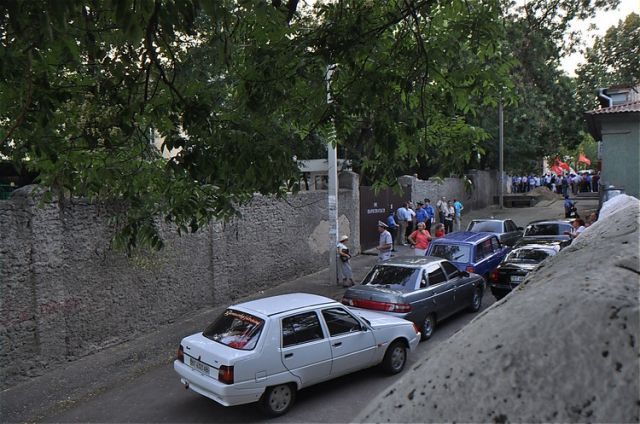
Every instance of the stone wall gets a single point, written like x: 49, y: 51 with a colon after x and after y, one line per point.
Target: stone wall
x: 478, y: 195
x: 66, y: 294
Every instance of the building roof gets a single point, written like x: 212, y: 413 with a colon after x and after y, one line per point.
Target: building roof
x: 621, y: 108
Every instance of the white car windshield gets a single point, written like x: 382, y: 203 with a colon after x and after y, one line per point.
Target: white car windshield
x: 235, y: 329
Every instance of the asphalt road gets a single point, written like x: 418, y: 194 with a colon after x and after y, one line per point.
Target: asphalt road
x: 157, y: 396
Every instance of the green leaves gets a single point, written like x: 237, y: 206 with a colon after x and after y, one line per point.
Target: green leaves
x: 234, y: 91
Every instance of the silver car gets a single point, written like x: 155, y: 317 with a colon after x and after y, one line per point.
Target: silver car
x: 421, y: 289
x: 507, y: 231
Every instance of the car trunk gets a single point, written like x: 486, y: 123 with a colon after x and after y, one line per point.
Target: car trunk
x: 514, y: 273
x: 378, y: 293
x: 206, y: 355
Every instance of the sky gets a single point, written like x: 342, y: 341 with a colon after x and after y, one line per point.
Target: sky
x: 604, y: 21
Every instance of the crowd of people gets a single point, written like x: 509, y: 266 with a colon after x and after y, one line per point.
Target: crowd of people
x: 575, y: 183
x: 413, y: 226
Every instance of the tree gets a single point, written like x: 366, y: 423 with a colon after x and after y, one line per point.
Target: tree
x: 612, y: 60
x: 545, y: 116
x: 236, y: 88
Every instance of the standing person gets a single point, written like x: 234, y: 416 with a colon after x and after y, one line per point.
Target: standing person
x: 448, y: 218
x: 438, y: 230
x: 457, y: 206
x: 568, y: 206
x: 411, y: 222
x: 587, y: 183
x: 594, y: 181
x: 385, y: 242
x: 344, y: 266
x: 441, y: 205
x: 403, y: 216
x: 565, y: 185
x: 393, y: 229
x: 431, y: 214
x: 419, y: 240
x: 421, y: 213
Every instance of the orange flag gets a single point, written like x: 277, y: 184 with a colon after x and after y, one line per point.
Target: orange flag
x: 582, y: 158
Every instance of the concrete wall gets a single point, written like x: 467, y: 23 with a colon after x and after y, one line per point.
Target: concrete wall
x: 66, y: 294
x: 478, y: 195
x: 621, y: 151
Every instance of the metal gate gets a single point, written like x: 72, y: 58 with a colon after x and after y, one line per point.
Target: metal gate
x: 376, y: 207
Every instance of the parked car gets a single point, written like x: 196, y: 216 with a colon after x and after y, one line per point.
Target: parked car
x: 507, y: 231
x: 267, y: 349
x: 421, y: 289
x: 479, y: 253
x: 546, y: 231
x: 517, y: 264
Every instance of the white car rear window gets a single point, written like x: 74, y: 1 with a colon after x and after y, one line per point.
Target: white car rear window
x: 235, y: 329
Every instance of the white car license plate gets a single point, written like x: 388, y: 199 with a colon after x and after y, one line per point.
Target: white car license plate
x: 202, y: 367
x: 517, y: 278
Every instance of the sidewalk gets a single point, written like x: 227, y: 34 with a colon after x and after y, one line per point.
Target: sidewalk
x: 92, y: 375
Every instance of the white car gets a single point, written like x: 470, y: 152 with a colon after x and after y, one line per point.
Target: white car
x: 267, y: 349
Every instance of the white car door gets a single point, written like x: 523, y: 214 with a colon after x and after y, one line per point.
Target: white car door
x: 305, y: 351
x: 352, y: 345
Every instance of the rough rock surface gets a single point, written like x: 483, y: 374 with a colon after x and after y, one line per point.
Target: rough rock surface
x: 561, y: 348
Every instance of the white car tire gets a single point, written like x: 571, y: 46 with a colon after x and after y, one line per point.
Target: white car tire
x: 395, y: 358
x: 277, y: 400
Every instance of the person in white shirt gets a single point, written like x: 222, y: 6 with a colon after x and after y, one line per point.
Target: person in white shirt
x: 403, y: 220
x: 385, y: 242
x: 577, y: 227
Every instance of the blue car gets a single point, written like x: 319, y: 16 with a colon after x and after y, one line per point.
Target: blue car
x: 479, y: 253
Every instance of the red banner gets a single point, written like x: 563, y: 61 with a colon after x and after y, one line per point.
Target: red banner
x: 582, y: 158
x: 561, y: 165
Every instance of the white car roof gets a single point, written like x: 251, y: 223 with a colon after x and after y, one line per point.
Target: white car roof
x: 284, y: 303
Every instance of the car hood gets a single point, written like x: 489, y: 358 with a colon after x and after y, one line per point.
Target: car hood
x: 379, y: 320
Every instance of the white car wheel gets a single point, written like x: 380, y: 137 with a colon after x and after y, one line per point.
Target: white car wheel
x: 277, y: 400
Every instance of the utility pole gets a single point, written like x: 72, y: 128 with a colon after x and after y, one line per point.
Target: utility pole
x: 501, y: 137
x: 332, y: 199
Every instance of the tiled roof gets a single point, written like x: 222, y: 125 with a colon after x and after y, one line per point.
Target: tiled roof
x: 625, y: 107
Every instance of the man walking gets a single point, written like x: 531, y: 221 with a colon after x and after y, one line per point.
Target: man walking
x: 385, y: 242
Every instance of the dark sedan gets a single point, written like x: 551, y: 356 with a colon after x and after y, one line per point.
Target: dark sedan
x: 507, y: 231
x: 547, y: 231
x: 423, y: 290
x: 518, y: 263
